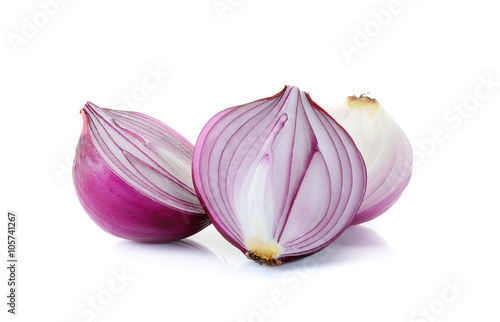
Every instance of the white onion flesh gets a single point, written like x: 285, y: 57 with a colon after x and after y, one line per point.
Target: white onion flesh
x: 385, y: 148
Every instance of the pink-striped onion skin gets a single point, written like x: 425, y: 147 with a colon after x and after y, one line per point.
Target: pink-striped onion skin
x: 132, y: 175
x: 278, y: 177
x: 385, y: 148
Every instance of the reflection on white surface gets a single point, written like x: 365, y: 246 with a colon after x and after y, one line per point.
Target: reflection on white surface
x: 177, y: 254
x: 356, y: 244
x: 185, y: 245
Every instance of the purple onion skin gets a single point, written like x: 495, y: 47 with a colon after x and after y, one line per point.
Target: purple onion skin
x: 120, y: 209
x: 381, y: 206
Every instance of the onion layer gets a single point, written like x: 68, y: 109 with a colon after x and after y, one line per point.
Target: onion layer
x: 132, y: 175
x: 385, y: 148
x: 278, y: 177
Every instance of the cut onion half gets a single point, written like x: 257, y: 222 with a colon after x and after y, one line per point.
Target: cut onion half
x: 132, y: 175
x: 278, y: 177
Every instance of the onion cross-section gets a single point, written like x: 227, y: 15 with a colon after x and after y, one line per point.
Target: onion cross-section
x: 278, y: 177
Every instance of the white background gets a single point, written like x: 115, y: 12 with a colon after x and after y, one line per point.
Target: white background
x: 436, y: 250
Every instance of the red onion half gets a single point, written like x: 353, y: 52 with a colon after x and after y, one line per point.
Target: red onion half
x: 278, y: 177
x: 132, y: 175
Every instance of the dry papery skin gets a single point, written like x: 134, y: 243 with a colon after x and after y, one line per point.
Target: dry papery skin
x: 363, y: 101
